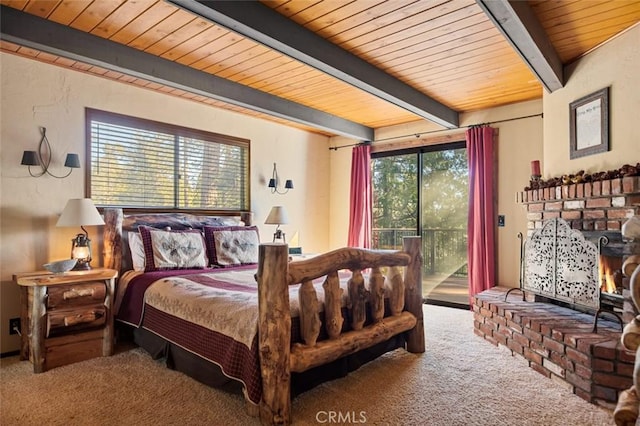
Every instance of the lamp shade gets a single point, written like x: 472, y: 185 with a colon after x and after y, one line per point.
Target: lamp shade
x: 72, y: 161
x: 277, y: 216
x: 80, y: 212
x: 30, y: 158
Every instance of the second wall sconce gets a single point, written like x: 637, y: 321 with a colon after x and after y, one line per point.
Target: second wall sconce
x: 274, y: 181
x: 42, y: 158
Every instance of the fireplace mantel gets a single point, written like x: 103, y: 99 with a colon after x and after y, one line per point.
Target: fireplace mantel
x: 588, y: 206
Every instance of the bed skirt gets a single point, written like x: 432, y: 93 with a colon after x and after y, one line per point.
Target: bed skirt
x: 210, y: 374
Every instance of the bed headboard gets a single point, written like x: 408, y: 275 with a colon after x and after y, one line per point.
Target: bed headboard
x: 116, y: 251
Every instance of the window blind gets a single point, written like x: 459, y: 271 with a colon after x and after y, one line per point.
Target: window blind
x: 145, y: 164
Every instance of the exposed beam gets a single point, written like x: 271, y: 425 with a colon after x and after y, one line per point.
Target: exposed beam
x: 37, y: 33
x: 266, y: 26
x: 519, y: 25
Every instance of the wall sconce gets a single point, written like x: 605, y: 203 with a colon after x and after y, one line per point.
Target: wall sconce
x: 278, y: 216
x: 80, y: 212
x: 42, y: 158
x: 273, y: 182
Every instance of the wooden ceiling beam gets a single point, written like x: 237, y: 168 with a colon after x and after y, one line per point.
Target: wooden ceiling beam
x: 37, y: 33
x: 266, y: 26
x: 517, y: 22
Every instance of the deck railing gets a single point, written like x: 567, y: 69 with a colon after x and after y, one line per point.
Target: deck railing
x: 444, y: 251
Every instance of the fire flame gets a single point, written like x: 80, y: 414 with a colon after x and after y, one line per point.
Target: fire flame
x: 610, y: 270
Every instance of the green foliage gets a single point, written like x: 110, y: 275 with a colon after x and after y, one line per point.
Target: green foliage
x: 444, y: 190
x: 443, y: 180
x: 395, y: 198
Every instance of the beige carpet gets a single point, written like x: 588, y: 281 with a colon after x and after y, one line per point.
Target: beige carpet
x: 460, y: 380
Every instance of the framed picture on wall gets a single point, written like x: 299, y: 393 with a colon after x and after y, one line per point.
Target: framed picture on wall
x: 589, y: 124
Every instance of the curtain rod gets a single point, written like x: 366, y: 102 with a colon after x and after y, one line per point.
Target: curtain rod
x: 417, y: 135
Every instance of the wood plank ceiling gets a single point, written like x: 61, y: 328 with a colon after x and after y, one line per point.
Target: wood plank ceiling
x: 447, y: 50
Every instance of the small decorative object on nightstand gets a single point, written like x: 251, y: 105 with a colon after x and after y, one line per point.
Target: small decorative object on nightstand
x: 66, y: 318
x: 60, y: 266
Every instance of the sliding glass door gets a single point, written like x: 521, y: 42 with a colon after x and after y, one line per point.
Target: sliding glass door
x: 444, y: 208
x: 425, y: 192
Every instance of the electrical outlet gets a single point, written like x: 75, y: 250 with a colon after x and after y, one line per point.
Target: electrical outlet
x: 14, y: 326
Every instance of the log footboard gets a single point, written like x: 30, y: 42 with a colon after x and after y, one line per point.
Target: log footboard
x: 279, y: 358
x: 305, y: 357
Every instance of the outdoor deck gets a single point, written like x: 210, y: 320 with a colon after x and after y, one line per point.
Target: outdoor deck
x: 445, y: 290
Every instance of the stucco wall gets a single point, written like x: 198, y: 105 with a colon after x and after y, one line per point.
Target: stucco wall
x: 35, y: 94
x: 613, y: 65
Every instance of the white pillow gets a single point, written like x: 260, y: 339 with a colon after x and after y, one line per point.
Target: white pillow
x: 137, y: 251
x: 236, y: 247
x: 173, y: 250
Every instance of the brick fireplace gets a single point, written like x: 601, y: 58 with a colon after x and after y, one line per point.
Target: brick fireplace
x: 595, y: 208
x: 558, y: 341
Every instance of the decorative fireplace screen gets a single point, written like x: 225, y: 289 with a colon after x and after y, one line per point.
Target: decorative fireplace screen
x: 559, y: 263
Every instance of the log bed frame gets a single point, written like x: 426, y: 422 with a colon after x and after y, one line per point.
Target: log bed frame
x: 278, y: 357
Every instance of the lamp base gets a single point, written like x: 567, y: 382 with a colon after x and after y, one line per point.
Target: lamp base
x: 82, y: 265
x: 279, y: 235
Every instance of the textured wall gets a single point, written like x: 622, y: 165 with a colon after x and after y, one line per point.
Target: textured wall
x: 615, y: 65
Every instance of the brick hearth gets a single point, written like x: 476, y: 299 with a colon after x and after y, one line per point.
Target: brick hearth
x: 558, y: 343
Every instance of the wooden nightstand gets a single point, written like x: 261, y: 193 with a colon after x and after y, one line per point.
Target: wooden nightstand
x: 66, y: 318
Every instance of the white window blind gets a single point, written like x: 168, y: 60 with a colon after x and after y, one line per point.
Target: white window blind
x: 144, y: 164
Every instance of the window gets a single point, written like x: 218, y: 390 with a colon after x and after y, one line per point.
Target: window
x: 146, y: 164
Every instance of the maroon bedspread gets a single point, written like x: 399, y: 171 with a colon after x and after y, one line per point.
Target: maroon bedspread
x: 235, y: 359
x: 132, y: 304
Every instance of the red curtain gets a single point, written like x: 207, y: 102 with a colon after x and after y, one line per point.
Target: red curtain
x: 360, y: 207
x: 481, y: 239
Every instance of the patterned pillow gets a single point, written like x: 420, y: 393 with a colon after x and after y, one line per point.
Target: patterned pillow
x: 173, y: 249
x: 232, y: 245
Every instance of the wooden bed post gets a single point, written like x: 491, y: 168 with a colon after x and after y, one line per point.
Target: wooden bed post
x: 274, y: 334
x: 112, y: 238
x: 413, y: 293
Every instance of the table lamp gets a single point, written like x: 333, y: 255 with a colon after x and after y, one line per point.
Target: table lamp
x: 80, y: 212
x: 278, y: 216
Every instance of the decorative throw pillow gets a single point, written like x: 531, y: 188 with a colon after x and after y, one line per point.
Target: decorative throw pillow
x: 173, y: 249
x: 137, y: 251
x: 232, y: 245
